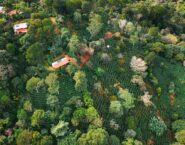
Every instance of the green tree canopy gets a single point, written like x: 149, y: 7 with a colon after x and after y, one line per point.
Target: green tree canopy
x: 127, y: 99
x: 33, y: 84
x: 178, y: 125
x: 60, y: 129
x: 37, y: 119
x: 24, y: 138
x: 97, y: 136
x: 157, y: 125
x: 180, y: 137
x: 35, y: 54
x: 95, y: 24
x: 81, y: 81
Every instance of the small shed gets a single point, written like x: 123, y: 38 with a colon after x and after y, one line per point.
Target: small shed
x: 61, y: 62
x: 108, y: 35
x: 86, y: 56
x: 14, y: 12
x: 20, y: 28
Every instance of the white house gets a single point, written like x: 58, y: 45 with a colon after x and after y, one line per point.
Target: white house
x: 2, y: 9
x: 20, y: 28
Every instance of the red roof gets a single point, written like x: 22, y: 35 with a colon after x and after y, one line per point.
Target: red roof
x: 108, y: 35
x: 13, y: 12
x: 61, y: 62
x: 84, y: 58
x: 21, y: 31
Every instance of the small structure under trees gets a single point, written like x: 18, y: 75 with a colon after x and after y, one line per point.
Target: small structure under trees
x: 86, y: 56
x: 14, y: 12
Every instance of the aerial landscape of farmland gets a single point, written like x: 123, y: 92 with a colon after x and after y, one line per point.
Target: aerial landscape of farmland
x: 92, y: 72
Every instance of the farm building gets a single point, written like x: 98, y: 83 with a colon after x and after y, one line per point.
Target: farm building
x: 20, y: 28
x: 62, y: 62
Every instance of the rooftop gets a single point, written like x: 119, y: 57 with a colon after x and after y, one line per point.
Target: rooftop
x: 61, y: 62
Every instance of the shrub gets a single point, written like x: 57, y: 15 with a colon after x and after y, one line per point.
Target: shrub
x: 180, y: 137
x: 150, y: 57
x: 99, y: 71
x: 126, y: 98
x: 94, y: 137
x: 60, y: 129
x: 32, y: 84
x: 116, y: 108
x: 170, y: 39
x: 179, y: 56
x: 81, y: 81
x: 21, y: 114
x: 157, y: 47
x: 114, y: 140
x: 131, y: 122
x: 178, y: 125
x: 72, y: 5
x: 130, y: 133
x: 87, y: 99
x: 157, y: 125
x: 91, y: 114
x: 24, y: 138
x: 37, y: 118
x: 78, y: 115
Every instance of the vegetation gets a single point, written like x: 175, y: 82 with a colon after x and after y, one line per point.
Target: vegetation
x: 92, y: 72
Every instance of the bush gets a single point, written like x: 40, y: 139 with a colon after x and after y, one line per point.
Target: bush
x: 72, y: 5
x: 37, y: 118
x: 94, y: 137
x: 24, y: 138
x: 116, y: 108
x: 114, y: 140
x: 170, y: 39
x: 179, y: 56
x: 178, y: 125
x: 127, y: 99
x: 157, y: 126
x: 150, y: 57
x: 91, y: 114
x: 81, y: 81
x: 21, y: 114
x: 131, y: 122
x: 87, y: 99
x: 10, y: 48
x: 157, y: 47
x: 180, y: 137
x: 60, y: 129
x: 78, y: 115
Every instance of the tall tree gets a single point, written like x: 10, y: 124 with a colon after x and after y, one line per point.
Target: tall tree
x: 81, y: 81
x: 35, y: 54
x: 37, y: 119
x: 95, y: 24
x: 97, y: 136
